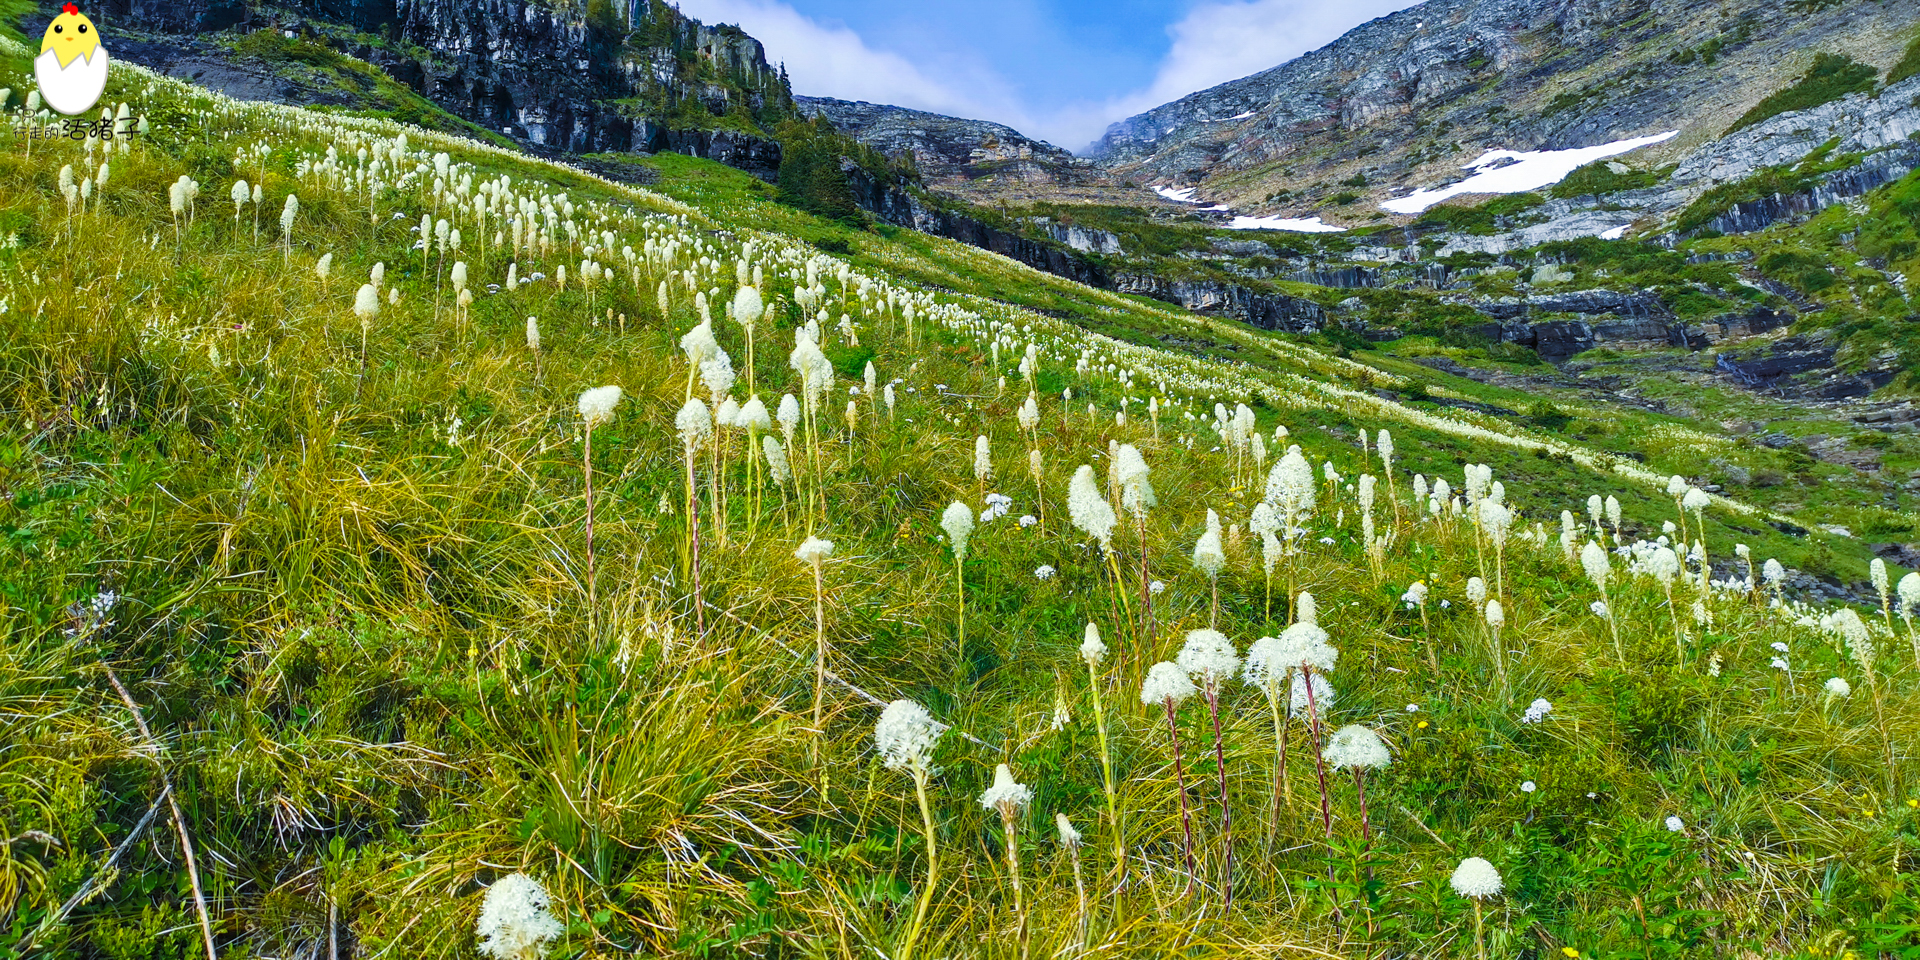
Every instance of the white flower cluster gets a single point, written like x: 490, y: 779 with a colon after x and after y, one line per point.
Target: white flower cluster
x: 1354, y: 747
x: 515, y: 922
x: 905, y: 736
x: 1476, y: 878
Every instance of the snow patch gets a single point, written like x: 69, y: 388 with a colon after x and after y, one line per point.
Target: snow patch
x: 1522, y: 171
x: 1291, y: 224
x: 1238, y: 116
x: 1616, y: 233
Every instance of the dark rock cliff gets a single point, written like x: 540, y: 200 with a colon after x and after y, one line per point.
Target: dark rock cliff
x: 634, y: 75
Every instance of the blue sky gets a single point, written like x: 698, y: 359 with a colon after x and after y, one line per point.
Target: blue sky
x: 1060, y: 70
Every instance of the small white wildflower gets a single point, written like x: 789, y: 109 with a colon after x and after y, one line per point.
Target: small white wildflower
x: 1416, y: 595
x: 1044, y: 571
x: 996, y: 507
x: 1208, y: 555
x: 1537, y: 711
x: 1674, y: 824
x: 1838, y: 688
x: 1028, y: 520
x: 776, y: 460
x: 1528, y: 787
x: 1088, y: 509
x: 1156, y: 588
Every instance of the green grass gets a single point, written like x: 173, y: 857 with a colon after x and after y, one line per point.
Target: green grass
x: 1831, y: 77
x: 353, y: 607
x: 1597, y: 179
x: 10, y: 13
x: 1909, y: 63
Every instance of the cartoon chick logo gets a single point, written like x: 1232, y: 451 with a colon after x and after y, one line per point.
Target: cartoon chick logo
x: 72, y: 66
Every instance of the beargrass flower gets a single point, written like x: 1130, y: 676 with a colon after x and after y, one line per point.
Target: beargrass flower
x: 1354, y: 747
x: 1837, y: 688
x: 515, y: 920
x: 596, y: 405
x: 694, y: 424
x: 905, y: 736
x: 1092, y: 649
x: 776, y: 457
x: 1476, y: 879
x: 1089, y: 510
x: 1167, y: 686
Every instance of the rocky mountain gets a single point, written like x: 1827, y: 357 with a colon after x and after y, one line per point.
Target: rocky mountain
x: 632, y: 75
x: 1399, y: 103
x: 974, y: 159
x: 943, y: 146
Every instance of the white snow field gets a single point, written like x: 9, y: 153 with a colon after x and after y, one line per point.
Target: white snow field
x: 1530, y: 171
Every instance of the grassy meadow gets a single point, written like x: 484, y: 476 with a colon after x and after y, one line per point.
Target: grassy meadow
x: 341, y: 584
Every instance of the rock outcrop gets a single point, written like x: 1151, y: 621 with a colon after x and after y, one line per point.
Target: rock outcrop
x: 1630, y: 320
x: 942, y: 146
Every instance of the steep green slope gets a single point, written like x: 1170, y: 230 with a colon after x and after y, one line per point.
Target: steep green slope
x: 388, y: 644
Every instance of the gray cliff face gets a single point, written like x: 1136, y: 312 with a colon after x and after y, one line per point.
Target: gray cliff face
x: 535, y: 71
x: 937, y: 142
x: 949, y: 150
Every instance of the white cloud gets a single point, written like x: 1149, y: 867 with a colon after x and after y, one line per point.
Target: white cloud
x: 834, y: 61
x: 1222, y: 41
x: 1218, y: 41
